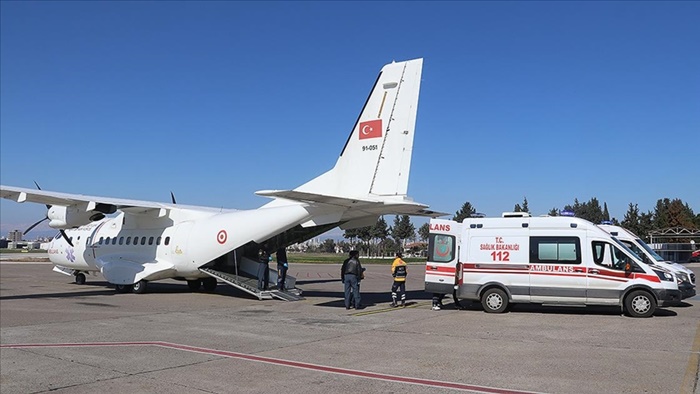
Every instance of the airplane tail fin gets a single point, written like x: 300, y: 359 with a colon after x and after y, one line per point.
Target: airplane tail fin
x: 371, y: 174
x: 376, y: 158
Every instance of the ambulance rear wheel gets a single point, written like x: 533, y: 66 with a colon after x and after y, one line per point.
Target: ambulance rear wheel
x: 80, y: 279
x: 640, y: 303
x: 494, y: 300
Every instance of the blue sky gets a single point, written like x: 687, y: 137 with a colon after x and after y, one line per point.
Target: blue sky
x: 550, y: 101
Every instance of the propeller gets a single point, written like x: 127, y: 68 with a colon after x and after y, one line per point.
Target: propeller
x: 63, y: 233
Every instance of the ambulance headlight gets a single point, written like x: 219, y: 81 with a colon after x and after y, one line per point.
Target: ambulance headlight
x: 665, y: 276
x: 682, y: 277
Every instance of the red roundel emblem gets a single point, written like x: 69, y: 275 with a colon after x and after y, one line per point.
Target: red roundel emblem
x: 221, y: 237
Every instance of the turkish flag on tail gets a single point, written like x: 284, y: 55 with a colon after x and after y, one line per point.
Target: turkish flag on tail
x: 371, y: 129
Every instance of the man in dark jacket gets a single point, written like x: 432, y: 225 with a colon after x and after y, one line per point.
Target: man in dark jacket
x: 263, y: 268
x: 350, y: 275
x: 282, y: 266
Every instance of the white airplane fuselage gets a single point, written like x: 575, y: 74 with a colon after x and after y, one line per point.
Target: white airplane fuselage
x: 184, y: 241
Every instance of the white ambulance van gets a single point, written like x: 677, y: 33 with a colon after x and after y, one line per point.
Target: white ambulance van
x: 685, y: 276
x: 544, y: 260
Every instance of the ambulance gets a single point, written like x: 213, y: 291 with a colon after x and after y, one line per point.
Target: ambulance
x: 685, y: 275
x: 560, y: 260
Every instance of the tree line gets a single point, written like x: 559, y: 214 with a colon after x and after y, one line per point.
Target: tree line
x: 667, y: 213
x: 381, y: 239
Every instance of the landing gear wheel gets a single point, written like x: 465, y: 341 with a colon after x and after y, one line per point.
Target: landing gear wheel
x: 640, y: 303
x: 123, y: 288
x: 140, y: 287
x: 209, y: 284
x: 80, y: 279
x: 194, y: 285
x: 494, y: 300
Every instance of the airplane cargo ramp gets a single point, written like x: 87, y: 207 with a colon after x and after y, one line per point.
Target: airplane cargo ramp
x: 250, y: 285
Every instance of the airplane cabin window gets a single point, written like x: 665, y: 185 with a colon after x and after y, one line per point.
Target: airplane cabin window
x: 167, y: 240
x: 143, y: 240
x: 114, y: 241
x: 150, y: 240
x: 107, y: 241
x: 121, y: 240
x: 128, y: 240
x: 100, y: 241
x: 158, y: 241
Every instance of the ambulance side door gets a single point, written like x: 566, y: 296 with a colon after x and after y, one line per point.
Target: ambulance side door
x: 557, y: 274
x: 607, y: 279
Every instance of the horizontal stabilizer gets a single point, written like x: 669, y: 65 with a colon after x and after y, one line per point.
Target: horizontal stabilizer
x: 386, y: 205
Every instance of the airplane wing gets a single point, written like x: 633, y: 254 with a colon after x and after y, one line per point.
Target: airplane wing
x: 400, y: 206
x: 19, y: 194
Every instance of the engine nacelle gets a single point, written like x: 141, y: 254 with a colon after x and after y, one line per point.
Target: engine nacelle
x: 70, y: 217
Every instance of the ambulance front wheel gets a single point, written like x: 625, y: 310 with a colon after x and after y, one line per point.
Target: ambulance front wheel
x: 494, y: 300
x: 640, y: 303
x: 80, y: 279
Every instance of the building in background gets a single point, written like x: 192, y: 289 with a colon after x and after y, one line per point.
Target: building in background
x: 14, y: 236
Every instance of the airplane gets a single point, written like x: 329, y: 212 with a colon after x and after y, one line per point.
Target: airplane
x: 148, y: 241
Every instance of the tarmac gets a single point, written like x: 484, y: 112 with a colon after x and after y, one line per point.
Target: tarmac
x: 62, y: 337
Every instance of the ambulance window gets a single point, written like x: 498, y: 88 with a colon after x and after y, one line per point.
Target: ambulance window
x: 555, y: 250
x: 607, y: 260
x: 598, y: 252
x: 619, y: 258
x: 441, y: 247
x: 638, y: 251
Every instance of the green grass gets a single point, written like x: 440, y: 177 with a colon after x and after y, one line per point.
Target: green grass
x: 331, y: 258
x: 22, y: 251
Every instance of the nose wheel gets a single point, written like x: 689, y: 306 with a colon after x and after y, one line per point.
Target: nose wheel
x: 80, y: 278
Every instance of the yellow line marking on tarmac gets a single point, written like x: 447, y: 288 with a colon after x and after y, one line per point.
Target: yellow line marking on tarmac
x: 690, y: 379
x: 390, y: 309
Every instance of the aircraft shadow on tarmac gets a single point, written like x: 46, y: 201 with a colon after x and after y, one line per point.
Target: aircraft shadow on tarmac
x: 109, y: 290
x: 368, y: 299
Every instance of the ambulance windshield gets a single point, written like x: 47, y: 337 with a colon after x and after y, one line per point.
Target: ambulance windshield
x: 649, y: 250
x: 630, y: 251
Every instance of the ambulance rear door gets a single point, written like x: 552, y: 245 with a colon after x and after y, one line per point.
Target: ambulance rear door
x: 441, y: 273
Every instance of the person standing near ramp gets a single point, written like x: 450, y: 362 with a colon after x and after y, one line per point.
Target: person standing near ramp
x: 399, y: 272
x: 350, y: 275
x: 282, y: 266
x: 263, y: 268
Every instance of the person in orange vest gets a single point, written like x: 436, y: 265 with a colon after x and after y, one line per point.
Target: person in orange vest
x: 399, y: 272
